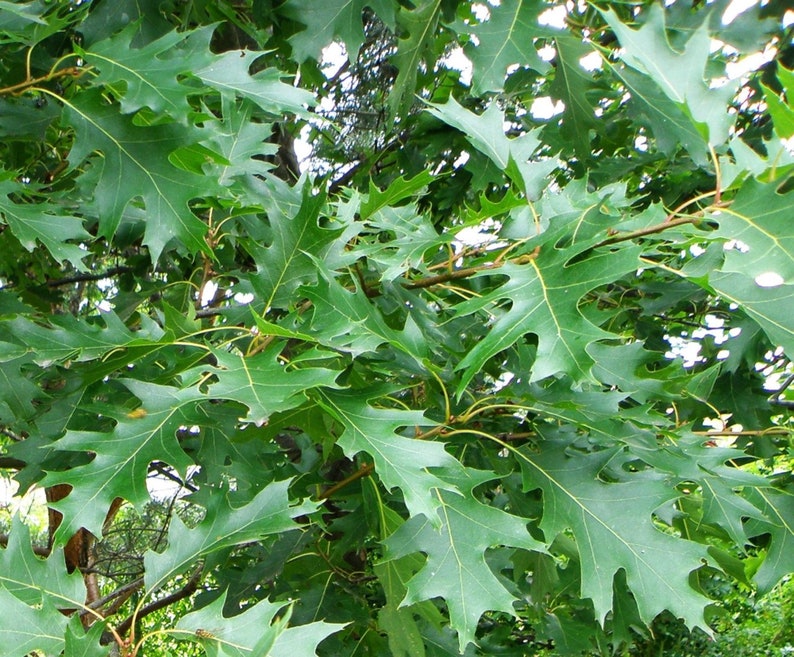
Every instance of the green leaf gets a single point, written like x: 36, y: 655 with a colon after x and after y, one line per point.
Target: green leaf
x: 506, y: 39
x: 399, y: 623
x: 456, y: 569
x: 288, y: 262
x: 680, y: 75
x: 782, y: 112
x: 224, y: 526
x: 399, y: 461
x: 34, y: 592
x: 152, y: 74
x: 722, y: 487
x: 264, y: 384
x: 395, y: 192
x: 417, y: 28
x: 256, y: 632
x: 614, y: 529
x: 760, y: 219
x: 413, y: 237
x: 626, y: 367
x: 241, y: 142
x: 228, y: 74
x: 17, y: 391
x: 79, y: 643
x: 123, y: 455
x: 571, y: 83
x: 486, y: 133
x: 131, y: 168
x: 545, y: 295
x: 34, y: 224
x: 68, y: 338
x: 669, y: 123
x: 326, y: 21
x: 346, y: 320
x: 769, y: 306
x: 26, y: 630
x: 35, y: 581
x: 778, y: 507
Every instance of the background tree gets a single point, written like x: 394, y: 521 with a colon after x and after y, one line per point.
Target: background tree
x: 508, y: 367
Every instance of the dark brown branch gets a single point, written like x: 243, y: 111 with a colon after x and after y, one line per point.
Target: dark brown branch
x: 5, y: 431
x: 83, y: 278
x: 162, y: 469
x: 775, y: 398
x: 187, y: 590
x: 122, y: 592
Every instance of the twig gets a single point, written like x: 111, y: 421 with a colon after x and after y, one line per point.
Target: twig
x: 456, y: 274
x: 123, y: 591
x: 187, y: 590
x: 83, y: 278
x: 650, y: 230
x: 775, y: 398
x: 72, y: 71
x: 772, y: 431
x: 364, y: 471
x: 5, y: 431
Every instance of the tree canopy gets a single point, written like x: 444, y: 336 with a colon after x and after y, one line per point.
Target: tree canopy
x: 377, y: 327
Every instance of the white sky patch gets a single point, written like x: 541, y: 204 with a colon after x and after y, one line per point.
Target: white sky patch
x: 735, y: 8
x: 208, y: 293
x: 554, y: 16
x: 543, y: 107
x: 591, y: 62
x: 769, y: 279
x: 462, y: 159
x: 303, y: 149
x: 740, y: 246
x: 481, y: 11
x: 333, y: 58
x: 788, y: 18
x: 476, y: 235
x: 456, y: 59
x: 750, y: 63
x: 547, y: 53
x: 243, y: 298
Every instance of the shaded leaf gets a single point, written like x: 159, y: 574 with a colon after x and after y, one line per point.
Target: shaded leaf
x: 123, y: 455
x: 545, y: 295
x: 41, y: 223
x: 264, y: 384
x: 505, y: 39
x: 131, y: 169
x: 456, y: 569
x: 614, y: 530
x: 224, y: 525
x: 417, y: 26
x: 399, y: 461
x: 680, y: 75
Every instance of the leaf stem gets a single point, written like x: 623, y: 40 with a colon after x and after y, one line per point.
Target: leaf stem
x: 365, y: 470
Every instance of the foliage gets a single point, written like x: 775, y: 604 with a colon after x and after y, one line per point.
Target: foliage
x: 508, y: 365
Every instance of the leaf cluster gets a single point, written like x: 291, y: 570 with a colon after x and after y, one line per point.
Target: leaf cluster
x: 504, y: 361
